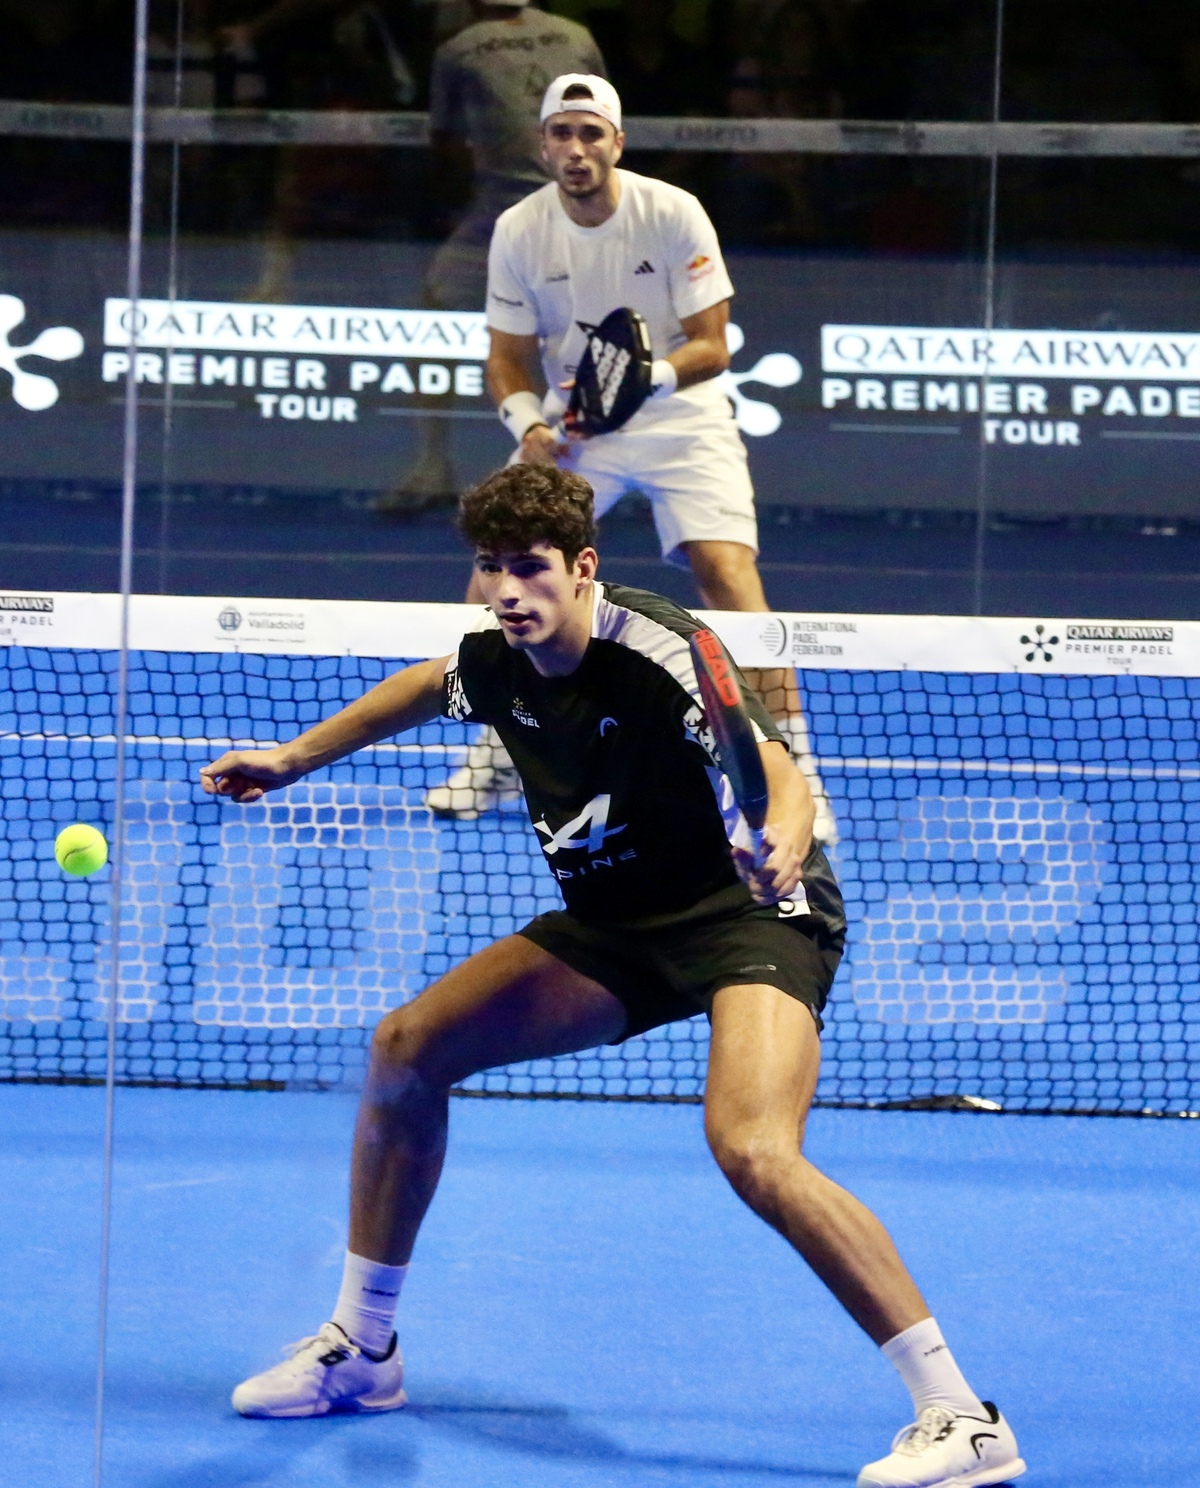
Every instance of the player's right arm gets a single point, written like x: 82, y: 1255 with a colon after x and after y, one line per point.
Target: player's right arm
x: 402, y: 701
x: 512, y: 366
x: 514, y: 359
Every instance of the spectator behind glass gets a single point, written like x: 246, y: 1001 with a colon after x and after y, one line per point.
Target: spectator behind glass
x: 327, y: 54
x: 655, y: 70
x: 66, y: 51
x: 788, y: 61
x: 485, y: 95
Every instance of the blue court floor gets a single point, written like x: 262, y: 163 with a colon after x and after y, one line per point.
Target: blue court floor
x: 588, y: 1305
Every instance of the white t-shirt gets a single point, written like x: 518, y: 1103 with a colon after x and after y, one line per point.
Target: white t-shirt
x: 657, y: 253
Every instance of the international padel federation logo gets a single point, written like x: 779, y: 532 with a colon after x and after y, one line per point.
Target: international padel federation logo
x: 31, y: 390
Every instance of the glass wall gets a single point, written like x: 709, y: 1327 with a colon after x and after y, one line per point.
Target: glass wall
x: 60, y: 471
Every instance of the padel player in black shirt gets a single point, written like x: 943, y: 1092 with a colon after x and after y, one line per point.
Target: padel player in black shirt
x: 668, y: 912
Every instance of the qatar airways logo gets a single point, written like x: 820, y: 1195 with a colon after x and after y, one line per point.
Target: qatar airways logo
x: 778, y: 369
x: 31, y: 390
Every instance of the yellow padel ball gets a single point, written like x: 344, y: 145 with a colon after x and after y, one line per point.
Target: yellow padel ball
x: 80, y: 850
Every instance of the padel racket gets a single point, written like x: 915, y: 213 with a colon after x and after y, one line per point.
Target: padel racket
x: 612, y: 380
x: 733, y: 733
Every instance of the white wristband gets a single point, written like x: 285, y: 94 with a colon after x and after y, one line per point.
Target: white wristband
x: 519, y: 412
x: 554, y: 405
x: 663, y: 378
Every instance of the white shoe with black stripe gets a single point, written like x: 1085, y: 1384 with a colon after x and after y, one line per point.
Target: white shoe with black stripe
x: 943, y: 1449
x: 486, y: 782
x: 325, y: 1373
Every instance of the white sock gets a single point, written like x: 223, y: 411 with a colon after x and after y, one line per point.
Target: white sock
x: 366, y: 1304
x: 927, y: 1367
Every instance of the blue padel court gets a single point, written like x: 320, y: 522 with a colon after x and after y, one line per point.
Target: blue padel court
x: 589, y: 1304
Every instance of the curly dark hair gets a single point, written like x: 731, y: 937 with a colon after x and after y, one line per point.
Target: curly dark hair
x: 526, y: 504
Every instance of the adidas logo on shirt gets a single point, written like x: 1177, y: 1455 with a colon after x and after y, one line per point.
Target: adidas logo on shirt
x: 645, y: 267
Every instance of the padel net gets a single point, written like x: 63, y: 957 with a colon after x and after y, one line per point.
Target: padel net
x: 1018, y: 807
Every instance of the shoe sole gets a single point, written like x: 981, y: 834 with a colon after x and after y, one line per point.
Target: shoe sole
x: 447, y: 813
x: 331, y: 1408
x: 469, y: 813
x: 983, y: 1477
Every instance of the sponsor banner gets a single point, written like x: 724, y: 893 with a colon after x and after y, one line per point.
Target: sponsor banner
x: 90, y: 621
x: 945, y: 352
x: 966, y: 643
x: 837, y: 411
x: 300, y: 330
x: 876, y: 643
x: 317, y: 627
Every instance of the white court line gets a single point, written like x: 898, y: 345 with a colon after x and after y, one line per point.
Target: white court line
x: 185, y: 1183
x: 1050, y: 768
x: 156, y: 741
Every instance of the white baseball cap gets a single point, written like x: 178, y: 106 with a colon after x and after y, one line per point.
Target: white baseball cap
x: 601, y: 97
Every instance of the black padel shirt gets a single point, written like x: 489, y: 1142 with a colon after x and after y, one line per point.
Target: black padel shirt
x: 630, y: 806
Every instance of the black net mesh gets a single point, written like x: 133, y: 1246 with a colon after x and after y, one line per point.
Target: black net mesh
x: 1017, y: 854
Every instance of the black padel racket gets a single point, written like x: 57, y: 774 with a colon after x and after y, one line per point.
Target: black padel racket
x: 612, y: 380
x: 733, y: 733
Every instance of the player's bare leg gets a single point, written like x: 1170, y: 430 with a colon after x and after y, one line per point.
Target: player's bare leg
x: 762, y: 1074
x: 512, y: 1001
x: 727, y: 576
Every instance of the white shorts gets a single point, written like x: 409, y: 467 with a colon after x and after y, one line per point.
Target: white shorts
x: 692, y: 469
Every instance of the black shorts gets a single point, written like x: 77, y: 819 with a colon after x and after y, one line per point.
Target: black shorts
x: 665, y: 974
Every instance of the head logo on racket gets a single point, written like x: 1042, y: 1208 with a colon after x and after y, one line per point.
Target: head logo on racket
x: 733, y: 732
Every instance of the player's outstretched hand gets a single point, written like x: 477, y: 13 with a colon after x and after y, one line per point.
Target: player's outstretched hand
x: 774, y: 872
x: 246, y: 775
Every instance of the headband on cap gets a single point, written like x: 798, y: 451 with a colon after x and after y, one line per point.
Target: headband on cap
x: 602, y: 98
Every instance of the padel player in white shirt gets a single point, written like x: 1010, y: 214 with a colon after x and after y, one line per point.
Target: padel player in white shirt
x: 594, y: 239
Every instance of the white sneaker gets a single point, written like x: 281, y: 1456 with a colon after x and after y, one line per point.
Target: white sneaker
x: 487, y: 781
x: 942, y: 1449
x: 325, y: 1373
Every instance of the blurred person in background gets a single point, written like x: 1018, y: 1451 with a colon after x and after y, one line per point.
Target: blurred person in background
x: 485, y: 92
x: 665, y: 61
x: 335, y: 55
x: 788, y: 62
x: 64, y: 51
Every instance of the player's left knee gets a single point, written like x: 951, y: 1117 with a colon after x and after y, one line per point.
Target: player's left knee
x: 754, y: 1156
x: 727, y: 568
